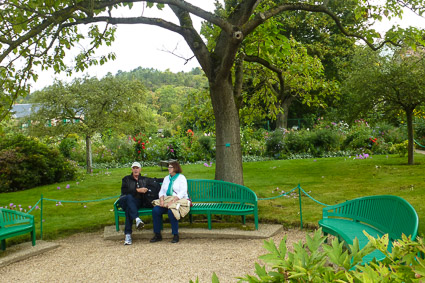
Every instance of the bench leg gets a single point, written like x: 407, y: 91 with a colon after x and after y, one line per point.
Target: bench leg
x: 3, y: 244
x: 243, y: 219
x: 209, y: 221
x: 326, y: 235
x: 117, y: 222
x: 33, y: 237
x: 191, y: 218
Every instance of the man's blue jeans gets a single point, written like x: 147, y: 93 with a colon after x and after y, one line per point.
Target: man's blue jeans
x: 131, y: 206
x: 157, y: 213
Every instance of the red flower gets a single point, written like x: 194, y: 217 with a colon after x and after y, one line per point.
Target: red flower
x: 139, y: 151
x: 134, y: 138
x: 143, y: 143
x: 143, y: 147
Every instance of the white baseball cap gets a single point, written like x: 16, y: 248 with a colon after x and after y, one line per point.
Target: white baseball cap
x: 136, y: 164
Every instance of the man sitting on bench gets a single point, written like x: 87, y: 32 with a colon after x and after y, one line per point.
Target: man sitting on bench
x: 136, y: 192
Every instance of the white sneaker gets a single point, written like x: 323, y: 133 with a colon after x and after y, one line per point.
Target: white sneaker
x: 139, y: 224
x: 127, y: 240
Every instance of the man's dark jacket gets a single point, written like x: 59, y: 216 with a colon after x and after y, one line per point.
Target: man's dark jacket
x: 129, y: 186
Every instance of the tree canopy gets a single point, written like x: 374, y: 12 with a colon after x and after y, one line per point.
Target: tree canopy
x: 88, y: 106
x: 393, y: 80
x: 40, y: 33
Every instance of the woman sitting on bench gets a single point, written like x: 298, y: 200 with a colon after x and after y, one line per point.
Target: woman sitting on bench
x: 175, y: 185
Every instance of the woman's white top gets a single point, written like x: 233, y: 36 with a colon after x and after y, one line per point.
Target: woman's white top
x: 179, y: 187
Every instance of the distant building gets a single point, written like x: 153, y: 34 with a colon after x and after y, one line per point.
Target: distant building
x: 21, y: 111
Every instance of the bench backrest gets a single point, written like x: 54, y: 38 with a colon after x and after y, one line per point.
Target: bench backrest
x: 12, y: 217
x: 219, y: 191
x: 389, y: 214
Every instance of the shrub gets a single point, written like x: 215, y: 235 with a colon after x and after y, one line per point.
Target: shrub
x: 358, y: 136
x: 297, y: 142
x: 324, y: 140
x: 420, y: 132
x: 316, y: 261
x: 400, y: 148
x: 206, y: 143
x: 206, y: 148
x: 122, y: 148
x: 26, y: 163
x: 275, y: 142
x: 253, y: 141
x: 67, y: 145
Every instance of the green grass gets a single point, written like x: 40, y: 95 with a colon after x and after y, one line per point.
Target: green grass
x: 329, y: 180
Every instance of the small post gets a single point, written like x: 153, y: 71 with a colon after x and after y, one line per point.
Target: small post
x: 41, y: 218
x: 301, y: 211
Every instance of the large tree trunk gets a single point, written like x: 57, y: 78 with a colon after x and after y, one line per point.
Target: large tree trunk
x: 88, y: 154
x: 410, y: 145
x: 282, y: 117
x: 228, y: 143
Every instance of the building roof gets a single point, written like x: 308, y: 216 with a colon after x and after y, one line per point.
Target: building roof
x: 22, y: 110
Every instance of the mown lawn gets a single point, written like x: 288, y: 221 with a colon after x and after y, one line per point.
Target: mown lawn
x: 328, y: 180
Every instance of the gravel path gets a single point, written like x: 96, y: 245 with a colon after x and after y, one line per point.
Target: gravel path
x: 90, y: 258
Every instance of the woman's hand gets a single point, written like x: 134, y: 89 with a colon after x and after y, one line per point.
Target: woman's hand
x: 175, y: 199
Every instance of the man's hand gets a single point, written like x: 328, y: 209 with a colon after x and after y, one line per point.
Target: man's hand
x: 142, y: 190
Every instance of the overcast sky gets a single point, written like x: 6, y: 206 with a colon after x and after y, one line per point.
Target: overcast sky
x: 143, y: 46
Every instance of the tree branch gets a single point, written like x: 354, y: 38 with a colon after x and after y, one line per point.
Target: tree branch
x: 262, y: 17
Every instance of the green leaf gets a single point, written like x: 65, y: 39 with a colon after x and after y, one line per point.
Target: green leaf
x: 214, y: 278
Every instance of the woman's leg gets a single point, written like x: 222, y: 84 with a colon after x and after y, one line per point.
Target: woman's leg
x: 174, y: 223
x: 157, y: 213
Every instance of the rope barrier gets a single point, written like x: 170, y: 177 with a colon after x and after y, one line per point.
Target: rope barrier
x: 279, y: 196
x: 62, y: 201
x: 313, y: 198
x: 80, y: 201
x: 418, y: 143
x: 34, y: 206
x: 297, y: 187
x: 299, y: 198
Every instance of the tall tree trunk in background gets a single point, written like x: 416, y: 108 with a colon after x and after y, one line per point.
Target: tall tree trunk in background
x: 88, y: 154
x: 282, y: 117
x: 410, y: 145
x: 228, y: 143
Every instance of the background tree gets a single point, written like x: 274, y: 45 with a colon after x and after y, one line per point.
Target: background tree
x: 285, y: 77
x: 40, y: 33
x: 390, y: 81
x: 88, y: 106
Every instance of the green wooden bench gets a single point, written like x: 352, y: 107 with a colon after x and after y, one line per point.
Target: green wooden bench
x: 212, y: 197
x: 14, y: 223
x: 377, y: 215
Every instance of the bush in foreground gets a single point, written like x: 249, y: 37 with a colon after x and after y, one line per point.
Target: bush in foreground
x: 316, y: 261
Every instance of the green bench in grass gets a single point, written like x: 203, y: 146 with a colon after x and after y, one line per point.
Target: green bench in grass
x: 377, y: 215
x: 14, y: 223
x: 212, y: 197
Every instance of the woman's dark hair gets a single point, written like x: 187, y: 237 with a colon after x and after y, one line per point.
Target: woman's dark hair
x: 176, y: 166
